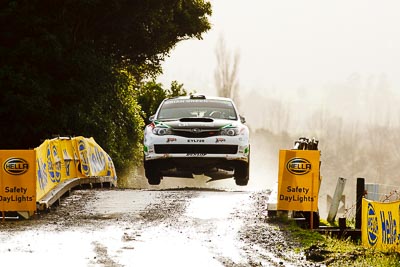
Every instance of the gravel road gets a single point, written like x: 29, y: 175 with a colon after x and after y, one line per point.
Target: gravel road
x: 124, y: 227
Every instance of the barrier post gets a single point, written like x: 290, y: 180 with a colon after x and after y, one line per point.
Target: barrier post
x: 336, y: 199
x: 359, y: 196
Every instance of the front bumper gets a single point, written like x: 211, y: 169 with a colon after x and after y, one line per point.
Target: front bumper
x: 234, y: 148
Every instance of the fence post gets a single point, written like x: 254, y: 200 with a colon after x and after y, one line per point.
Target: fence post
x: 336, y: 199
x: 359, y: 196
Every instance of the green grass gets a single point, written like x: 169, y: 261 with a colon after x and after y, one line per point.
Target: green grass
x: 338, y: 252
x: 305, y: 237
x: 348, y: 253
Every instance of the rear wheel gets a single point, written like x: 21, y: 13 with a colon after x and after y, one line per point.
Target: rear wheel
x: 242, y: 174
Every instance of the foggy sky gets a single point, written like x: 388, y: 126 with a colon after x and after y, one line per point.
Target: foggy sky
x: 290, y: 44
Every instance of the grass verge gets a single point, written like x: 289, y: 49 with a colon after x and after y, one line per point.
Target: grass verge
x: 331, y: 251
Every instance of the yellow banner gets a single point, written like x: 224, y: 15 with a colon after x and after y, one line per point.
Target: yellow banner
x: 65, y: 158
x: 93, y: 160
x: 17, y: 180
x: 298, y: 180
x: 45, y: 169
x: 380, y: 225
x: 69, y: 161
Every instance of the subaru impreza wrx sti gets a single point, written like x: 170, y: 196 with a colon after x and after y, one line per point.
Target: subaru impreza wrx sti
x: 197, y: 135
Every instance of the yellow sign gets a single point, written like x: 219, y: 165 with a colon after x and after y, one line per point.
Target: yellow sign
x: 298, y: 180
x: 380, y: 225
x: 17, y: 180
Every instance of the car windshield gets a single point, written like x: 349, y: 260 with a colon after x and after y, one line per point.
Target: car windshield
x: 197, y: 108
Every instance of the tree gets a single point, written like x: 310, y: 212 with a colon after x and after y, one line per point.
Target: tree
x: 72, y: 67
x: 151, y: 94
x: 226, y: 72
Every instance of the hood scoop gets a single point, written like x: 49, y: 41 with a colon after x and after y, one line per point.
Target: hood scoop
x: 196, y: 120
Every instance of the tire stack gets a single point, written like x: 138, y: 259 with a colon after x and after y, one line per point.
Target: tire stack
x: 304, y: 143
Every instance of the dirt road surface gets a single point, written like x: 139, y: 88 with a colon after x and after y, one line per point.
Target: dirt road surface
x: 125, y: 227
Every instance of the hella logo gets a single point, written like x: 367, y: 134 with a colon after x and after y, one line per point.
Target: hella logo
x: 15, y: 166
x: 298, y: 166
x: 373, y: 225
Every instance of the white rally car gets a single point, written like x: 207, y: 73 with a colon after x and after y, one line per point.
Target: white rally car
x: 197, y: 135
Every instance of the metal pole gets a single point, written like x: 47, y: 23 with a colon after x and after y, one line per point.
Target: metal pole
x: 359, y: 197
x: 336, y: 199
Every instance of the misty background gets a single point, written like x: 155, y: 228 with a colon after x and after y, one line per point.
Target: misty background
x: 306, y: 68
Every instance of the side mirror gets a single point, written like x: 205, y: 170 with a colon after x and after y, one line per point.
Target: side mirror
x: 242, y: 119
x: 151, y: 118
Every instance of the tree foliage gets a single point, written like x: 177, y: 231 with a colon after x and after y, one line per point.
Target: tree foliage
x: 151, y: 94
x: 77, y: 67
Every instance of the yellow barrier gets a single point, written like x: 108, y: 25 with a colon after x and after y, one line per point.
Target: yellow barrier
x: 26, y: 176
x: 298, y: 180
x: 61, y: 159
x: 380, y: 227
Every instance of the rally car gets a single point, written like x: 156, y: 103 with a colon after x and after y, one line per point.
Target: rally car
x: 197, y: 135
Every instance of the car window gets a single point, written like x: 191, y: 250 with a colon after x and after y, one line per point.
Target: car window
x: 197, y: 108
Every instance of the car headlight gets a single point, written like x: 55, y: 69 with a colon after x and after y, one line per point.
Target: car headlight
x: 162, y: 131
x: 230, y: 131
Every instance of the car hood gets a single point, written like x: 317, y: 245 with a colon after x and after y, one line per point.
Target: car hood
x: 189, y: 123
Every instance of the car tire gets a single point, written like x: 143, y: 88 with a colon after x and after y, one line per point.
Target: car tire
x: 242, y: 174
x: 153, y: 178
x: 153, y: 175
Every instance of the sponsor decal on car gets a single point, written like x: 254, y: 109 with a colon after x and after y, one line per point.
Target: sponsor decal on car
x: 171, y: 139
x: 220, y: 140
x: 196, y: 154
x: 195, y: 140
x: 227, y: 126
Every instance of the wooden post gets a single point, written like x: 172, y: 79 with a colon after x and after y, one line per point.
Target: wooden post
x: 336, y: 199
x: 312, y: 212
x: 359, y: 197
x: 342, y: 223
x: 311, y: 220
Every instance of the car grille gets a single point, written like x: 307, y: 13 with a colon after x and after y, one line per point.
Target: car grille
x: 204, y: 149
x: 191, y: 134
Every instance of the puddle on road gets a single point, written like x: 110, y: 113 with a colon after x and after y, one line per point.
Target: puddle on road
x: 204, y: 235
x: 160, y: 246
x: 220, y: 208
x: 46, y: 249
x: 214, y: 205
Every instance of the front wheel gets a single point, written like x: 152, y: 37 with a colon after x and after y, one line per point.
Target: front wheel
x: 153, y: 175
x: 242, y: 174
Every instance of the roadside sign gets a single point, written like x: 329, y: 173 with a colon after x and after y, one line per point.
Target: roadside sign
x: 17, y: 180
x: 298, y: 180
x: 380, y: 225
